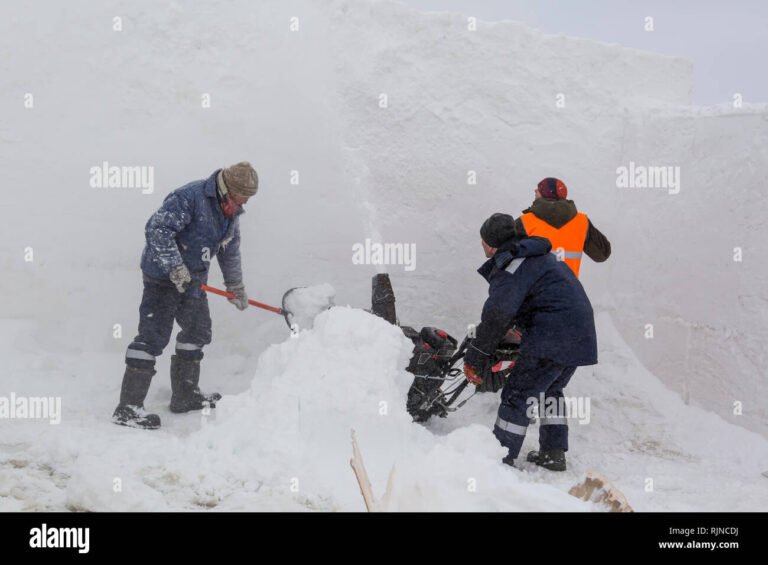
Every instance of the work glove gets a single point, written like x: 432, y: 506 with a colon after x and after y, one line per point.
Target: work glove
x: 180, y: 277
x: 492, y: 382
x: 476, y: 365
x: 241, y: 298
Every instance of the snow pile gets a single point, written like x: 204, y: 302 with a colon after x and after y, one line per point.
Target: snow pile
x: 346, y: 373
x: 285, y: 444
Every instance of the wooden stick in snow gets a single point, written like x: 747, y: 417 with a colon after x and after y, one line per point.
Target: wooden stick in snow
x: 362, y: 476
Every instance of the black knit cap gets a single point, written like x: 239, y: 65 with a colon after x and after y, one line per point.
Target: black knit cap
x: 498, y: 229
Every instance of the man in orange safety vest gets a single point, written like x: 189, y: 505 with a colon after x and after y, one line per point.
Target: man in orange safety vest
x: 571, y: 232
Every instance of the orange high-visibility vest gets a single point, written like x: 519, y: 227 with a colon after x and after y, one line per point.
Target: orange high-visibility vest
x: 567, y: 241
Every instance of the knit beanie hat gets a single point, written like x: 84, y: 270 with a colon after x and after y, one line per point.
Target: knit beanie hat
x: 497, y: 229
x: 240, y: 179
x: 553, y: 189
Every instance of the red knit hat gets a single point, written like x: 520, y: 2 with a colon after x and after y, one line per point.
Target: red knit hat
x: 553, y: 188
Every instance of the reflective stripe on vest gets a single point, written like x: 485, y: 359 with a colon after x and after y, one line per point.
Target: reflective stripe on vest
x: 514, y: 265
x: 567, y: 241
x: 567, y: 254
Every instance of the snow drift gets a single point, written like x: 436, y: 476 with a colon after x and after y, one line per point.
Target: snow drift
x: 285, y: 444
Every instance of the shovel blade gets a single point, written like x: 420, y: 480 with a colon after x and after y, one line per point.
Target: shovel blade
x: 302, y: 303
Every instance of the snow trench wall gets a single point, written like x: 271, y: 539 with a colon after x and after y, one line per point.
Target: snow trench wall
x: 696, y: 269
x: 481, y: 103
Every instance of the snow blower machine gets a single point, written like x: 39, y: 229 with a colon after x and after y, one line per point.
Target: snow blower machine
x: 437, y: 361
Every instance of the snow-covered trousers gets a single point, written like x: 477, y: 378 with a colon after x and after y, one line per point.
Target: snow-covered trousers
x: 161, y: 304
x: 530, y: 378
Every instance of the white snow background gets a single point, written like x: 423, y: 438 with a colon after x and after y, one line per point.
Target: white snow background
x: 662, y: 409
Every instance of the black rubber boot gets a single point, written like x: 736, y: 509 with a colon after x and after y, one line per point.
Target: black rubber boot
x: 130, y: 412
x: 186, y: 395
x: 552, y: 459
x: 509, y: 460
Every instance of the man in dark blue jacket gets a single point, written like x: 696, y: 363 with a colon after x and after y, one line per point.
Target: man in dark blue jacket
x: 196, y: 223
x: 532, y: 289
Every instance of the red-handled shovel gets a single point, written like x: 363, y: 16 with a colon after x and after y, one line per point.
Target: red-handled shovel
x: 261, y: 305
x: 286, y: 313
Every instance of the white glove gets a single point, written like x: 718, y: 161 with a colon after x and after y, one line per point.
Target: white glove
x: 180, y: 277
x: 241, y: 298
